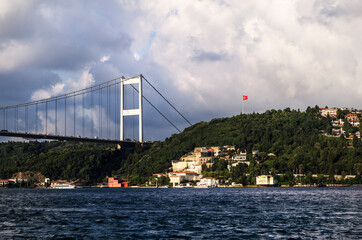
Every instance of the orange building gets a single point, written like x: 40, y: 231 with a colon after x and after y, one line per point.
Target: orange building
x: 114, y: 182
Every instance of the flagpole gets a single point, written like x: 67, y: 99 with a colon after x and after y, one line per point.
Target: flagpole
x: 242, y: 106
x: 245, y: 97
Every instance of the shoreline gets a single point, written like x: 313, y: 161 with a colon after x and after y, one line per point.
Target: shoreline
x: 197, y: 187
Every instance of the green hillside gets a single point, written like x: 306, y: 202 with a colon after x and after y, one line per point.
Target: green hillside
x: 60, y: 160
x: 292, y: 136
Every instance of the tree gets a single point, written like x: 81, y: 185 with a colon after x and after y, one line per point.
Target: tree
x: 329, y: 130
x: 341, y: 114
x: 356, y: 141
x: 358, y: 168
x: 346, y: 125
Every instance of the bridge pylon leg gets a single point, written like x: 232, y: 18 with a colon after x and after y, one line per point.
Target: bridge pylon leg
x: 132, y: 112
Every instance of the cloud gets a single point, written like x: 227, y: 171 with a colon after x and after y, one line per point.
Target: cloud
x: 203, y: 55
x: 139, y: 54
x: 105, y: 58
x: 274, y: 54
x: 85, y: 80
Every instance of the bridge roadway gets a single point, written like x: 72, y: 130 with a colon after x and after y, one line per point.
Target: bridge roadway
x: 127, y: 144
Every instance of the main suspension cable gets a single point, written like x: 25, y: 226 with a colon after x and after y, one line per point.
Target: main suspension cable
x: 167, y: 100
x: 156, y: 109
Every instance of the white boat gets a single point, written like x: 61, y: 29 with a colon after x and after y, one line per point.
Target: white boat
x: 63, y: 186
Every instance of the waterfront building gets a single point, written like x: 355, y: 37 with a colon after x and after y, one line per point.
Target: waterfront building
x: 208, y: 181
x: 178, y: 177
x: 175, y: 179
x: 115, y: 182
x: 4, y: 182
x: 266, y: 180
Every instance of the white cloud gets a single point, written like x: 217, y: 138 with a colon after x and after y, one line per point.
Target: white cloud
x: 54, y: 90
x: 205, y: 55
x: 136, y: 56
x: 279, y: 53
x: 105, y: 58
x: 14, y: 55
x: 85, y: 80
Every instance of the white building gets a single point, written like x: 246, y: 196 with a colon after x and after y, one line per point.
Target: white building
x: 175, y: 179
x: 229, y: 148
x: 208, y: 181
x: 178, y: 177
x: 266, y: 180
x: 217, y: 151
x: 328, y: 111
x: 179, y: 165
x: 240, y: 158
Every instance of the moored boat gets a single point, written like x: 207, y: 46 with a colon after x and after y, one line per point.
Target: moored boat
x: 61, y: 184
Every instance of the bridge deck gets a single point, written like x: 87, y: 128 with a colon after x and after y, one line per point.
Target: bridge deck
x: 66, y: 138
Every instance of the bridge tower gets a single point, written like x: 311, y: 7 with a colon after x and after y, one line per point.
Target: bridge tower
x: 132, y: 112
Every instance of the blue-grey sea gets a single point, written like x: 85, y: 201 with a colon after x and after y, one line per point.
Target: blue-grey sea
x: 214, y: 213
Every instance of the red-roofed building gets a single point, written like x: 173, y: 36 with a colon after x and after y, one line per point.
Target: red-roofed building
x: 328, y: 111
x: 158, y: 175
x: 353, y: 119
x: 115, y: 182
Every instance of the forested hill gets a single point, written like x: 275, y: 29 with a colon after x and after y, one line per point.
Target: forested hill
x: 60, y: 160
x: 293, y: 136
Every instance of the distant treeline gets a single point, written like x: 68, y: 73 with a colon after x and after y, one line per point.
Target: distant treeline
x: 60, y: 160
x: 294, y: 137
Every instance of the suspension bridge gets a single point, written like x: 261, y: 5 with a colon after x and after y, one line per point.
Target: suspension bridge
x: 95, y: 114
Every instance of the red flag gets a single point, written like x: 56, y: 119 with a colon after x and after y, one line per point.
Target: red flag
x: 245, y: 97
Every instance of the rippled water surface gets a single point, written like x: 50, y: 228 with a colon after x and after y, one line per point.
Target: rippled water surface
x: 218, y: 213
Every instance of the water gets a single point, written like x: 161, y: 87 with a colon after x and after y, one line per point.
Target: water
x: 219, y: 213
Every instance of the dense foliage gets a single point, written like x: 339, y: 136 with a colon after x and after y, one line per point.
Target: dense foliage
x: 60, y: 160
x: 294, y: 137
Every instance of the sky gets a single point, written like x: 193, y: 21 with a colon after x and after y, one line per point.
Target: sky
x: 202, y: 55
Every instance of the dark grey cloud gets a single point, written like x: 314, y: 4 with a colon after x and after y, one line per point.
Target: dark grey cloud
x: 39, y: 38
x: 339, y: 9
x: 209, y: 56
x: 18, y: 86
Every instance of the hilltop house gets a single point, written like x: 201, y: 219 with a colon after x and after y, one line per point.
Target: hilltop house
x: 328, y: 111
x: 240, y: 158
x: 353, y: 119
x: 193, y: 161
